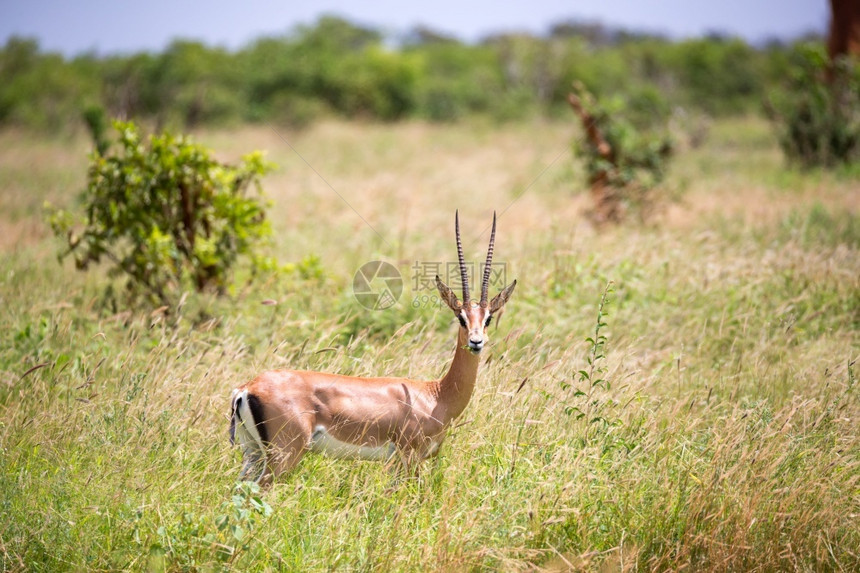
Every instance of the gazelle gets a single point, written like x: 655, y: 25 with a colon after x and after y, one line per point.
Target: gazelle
x: 282, y: 414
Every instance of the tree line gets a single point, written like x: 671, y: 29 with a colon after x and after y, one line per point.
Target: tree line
x: 337, y: 68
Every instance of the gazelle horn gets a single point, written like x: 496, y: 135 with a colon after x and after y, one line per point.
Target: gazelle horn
x: 485, y: 286
x: 464, y: 274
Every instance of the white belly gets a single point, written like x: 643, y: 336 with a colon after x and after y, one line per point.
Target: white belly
x: 324, y: 443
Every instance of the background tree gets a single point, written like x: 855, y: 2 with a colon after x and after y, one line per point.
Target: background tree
x: 336, y: 67
x: 844, y: 35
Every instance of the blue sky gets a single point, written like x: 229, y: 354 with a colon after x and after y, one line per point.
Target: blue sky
x: 121, y: 26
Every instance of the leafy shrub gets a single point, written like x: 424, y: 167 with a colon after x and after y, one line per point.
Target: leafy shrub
x: 167, y: 215
x: 586, y: 395
x: 624, y: 162
x: 817, y: 118
x: 196, y: 542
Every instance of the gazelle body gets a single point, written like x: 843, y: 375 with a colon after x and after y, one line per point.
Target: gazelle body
x: 282, y: 414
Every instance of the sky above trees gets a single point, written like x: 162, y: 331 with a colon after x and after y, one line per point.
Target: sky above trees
x: 110, y: 27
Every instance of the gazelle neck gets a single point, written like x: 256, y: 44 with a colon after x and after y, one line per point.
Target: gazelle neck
x: 456, y: 386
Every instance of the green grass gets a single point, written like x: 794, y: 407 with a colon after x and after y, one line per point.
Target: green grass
x: 727, y: 423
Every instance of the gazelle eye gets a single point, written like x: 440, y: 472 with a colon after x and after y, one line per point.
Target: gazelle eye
x: 489, y: 320
x: 462, y: 320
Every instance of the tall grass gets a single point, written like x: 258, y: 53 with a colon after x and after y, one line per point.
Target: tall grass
x: 723, y: 434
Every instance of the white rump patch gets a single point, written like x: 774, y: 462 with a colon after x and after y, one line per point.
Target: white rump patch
x: 324, y: 443
x: 248, y: 438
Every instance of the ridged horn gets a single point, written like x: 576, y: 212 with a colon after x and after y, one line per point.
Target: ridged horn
x: 485, y: 286
x: 464, y: 274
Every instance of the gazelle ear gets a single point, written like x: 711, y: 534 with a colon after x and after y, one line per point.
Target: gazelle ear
x: 500, y: 299
x: 448, y: 295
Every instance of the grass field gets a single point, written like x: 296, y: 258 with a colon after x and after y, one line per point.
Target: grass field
x: 724, y: 436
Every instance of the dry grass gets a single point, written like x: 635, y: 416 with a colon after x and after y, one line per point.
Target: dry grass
x: 727, y: 437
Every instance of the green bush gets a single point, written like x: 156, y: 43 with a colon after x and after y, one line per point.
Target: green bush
x: 817, y: 118
x: 625, y: 161
x: 167, y: 215
x: 200, y: 543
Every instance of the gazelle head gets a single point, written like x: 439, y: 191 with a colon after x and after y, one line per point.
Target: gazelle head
x: 474, y: 317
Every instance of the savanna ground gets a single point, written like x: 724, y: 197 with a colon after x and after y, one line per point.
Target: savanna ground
x: 724, y: 435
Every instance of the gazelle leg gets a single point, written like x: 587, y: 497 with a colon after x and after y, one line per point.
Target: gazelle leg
x: 253, y: 465
x: 410, y: 462
x: 253, y: 455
